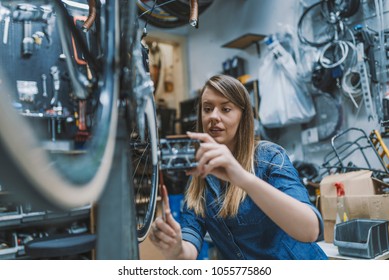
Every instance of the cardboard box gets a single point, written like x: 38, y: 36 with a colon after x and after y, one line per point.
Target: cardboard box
x: 363, y: 199
x: 355, y: 183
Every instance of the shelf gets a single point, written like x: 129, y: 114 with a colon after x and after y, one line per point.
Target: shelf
x: 22, y: 220
x: 245, y: 41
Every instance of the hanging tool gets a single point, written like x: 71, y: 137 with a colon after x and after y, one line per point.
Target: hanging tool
x: 44, y: 85
x: 56, y: 85
x: 5, y: 14
x: 49, y: 19
x: 27, y: 13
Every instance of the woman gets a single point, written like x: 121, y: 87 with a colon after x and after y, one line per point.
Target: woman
x: 246, y: 194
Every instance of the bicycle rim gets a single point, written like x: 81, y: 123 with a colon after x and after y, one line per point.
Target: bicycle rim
x: 313, y: 27
x: 62, y: 179
x: 145, y: 170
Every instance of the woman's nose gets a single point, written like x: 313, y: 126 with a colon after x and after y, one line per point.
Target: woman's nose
x: 215, y: 115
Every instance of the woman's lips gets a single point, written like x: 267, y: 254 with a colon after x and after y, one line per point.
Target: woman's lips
x: 215, y: 131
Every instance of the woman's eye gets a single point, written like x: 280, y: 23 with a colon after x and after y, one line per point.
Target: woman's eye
x: 226, y: 110
x: 207, y: 109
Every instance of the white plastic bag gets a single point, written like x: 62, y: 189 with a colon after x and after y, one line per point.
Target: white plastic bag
x: 284, y: 97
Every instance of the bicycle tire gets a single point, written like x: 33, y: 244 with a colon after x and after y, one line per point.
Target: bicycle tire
x: 137, y: 90
x: 63, y: 180
x: 158, y: 17
x: 144, y: 162
x: 317, y: 38
x: 181, y: 10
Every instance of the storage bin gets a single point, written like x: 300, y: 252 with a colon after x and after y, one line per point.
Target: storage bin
x: 362, y: 238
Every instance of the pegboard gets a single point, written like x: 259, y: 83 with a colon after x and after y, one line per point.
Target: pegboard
x: 20, y: 69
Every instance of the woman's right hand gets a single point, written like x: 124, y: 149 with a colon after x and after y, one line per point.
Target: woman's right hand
x: 166, y: 234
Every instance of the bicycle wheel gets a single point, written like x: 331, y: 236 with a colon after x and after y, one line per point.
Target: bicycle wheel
x: 145, y: 170
x: 181, y: 8
x: 314, y: 28
x: 70, y: 177
x: 137, y: 91
x: 157, y: 16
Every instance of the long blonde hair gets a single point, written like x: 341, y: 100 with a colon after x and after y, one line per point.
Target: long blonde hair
x: 235, y: 92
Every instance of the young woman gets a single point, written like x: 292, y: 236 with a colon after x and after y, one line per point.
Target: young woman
x: 246, y: 194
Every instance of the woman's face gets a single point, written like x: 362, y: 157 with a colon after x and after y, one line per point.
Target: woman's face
x: 220, y: 117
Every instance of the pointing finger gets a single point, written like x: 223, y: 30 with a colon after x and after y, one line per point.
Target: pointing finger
x: 204, y: 137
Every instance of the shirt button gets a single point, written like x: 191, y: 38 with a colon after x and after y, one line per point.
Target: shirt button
x: 239, y: 254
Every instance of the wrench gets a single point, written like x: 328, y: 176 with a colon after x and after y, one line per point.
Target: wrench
x: 44, y: 85
x: 56, y: 82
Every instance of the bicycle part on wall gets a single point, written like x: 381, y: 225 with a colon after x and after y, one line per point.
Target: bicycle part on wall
x: 172, y: 14
x: 353, y: 150
x: 325, y: 22
x: 318, y: 34
x: 181, y: 8
x: 156, y: 16
x: 350, y: 36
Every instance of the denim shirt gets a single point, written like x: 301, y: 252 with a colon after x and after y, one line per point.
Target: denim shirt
x: 251, y: 234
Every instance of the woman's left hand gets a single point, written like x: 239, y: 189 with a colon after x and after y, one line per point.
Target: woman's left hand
x: 214, y: 158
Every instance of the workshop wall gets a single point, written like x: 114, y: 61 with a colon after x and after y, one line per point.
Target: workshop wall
x: 226, y: 20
